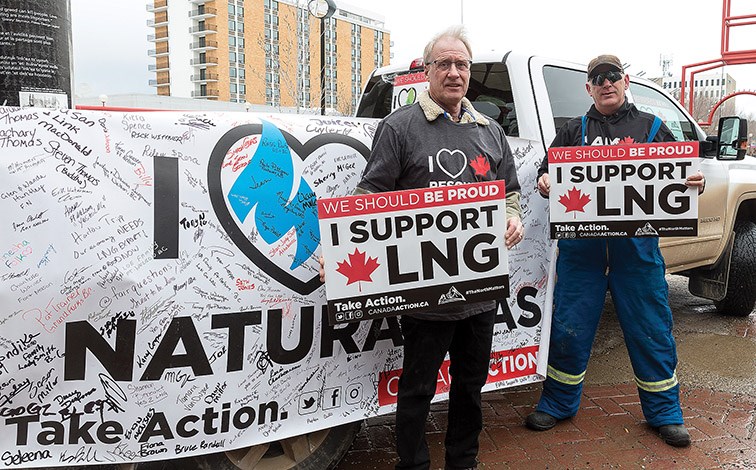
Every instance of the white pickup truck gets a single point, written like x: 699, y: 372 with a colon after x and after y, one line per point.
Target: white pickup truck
x: 160, y: 286
x: 531, y: 97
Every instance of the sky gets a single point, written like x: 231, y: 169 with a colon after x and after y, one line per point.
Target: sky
x: 110, y: 36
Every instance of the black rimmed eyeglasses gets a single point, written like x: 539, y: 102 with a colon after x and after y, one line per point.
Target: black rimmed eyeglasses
x: 598, y: 80
x: 444, y: 65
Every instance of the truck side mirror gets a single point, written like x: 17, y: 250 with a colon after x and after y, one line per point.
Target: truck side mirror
x: 732, y: 138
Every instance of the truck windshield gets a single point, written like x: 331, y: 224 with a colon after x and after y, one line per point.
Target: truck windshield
x: 490, y: 92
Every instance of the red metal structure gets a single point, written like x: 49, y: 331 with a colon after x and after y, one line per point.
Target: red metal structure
x: 728, y: 58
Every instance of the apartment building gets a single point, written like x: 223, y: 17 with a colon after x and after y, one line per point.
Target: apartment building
x: 712, y: 85
x: 264, y: 52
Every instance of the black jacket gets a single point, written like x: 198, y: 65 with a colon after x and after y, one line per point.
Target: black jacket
x: 627, y: 125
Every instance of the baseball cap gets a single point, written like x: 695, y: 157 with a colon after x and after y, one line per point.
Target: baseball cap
x: 604, y: 63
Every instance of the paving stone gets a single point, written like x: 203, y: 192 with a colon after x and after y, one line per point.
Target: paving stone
x: 608, y: 432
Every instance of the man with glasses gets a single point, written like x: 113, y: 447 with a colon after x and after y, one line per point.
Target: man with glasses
x: 631, y: 268
x: 439, y: 141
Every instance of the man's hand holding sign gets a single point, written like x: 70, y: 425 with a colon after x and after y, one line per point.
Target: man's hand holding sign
x: 406, y: 251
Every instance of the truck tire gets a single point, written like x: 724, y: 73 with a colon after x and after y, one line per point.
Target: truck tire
x: 319, y: 450
x: 741, y: 287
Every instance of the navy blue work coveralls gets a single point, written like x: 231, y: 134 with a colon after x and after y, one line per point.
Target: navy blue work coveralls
x: 633, y: 270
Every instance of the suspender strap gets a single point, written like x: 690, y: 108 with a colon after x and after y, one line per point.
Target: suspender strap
x: 582, y: 130
x: 654, y: 129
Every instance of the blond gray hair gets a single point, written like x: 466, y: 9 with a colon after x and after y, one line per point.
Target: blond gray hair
x: 454, y: 32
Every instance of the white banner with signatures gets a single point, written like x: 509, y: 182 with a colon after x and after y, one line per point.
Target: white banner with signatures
x: 160, y: 291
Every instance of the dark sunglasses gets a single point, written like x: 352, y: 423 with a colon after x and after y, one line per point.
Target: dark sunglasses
x: 598, y: 80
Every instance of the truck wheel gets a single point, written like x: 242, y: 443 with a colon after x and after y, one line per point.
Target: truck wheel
x: 317, y: 450
x: 741, y: 287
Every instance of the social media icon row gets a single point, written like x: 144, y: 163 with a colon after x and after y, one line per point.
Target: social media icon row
x: 309, y: 402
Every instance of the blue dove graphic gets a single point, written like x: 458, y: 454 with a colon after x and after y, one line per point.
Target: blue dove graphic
x: 267, y: 182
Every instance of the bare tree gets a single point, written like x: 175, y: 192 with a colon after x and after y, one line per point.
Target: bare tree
x: 286, y: 42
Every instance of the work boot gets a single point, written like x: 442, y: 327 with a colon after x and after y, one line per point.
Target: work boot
x: 540, y: 421
x: 675, y: 435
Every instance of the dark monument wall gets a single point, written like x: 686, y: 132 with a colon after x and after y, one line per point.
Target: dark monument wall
x: 35, y: 53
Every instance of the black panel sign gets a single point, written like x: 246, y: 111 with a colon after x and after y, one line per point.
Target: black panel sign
x: 35, y: 53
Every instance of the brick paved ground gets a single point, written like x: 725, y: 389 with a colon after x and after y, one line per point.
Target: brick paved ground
x: 609, y: 432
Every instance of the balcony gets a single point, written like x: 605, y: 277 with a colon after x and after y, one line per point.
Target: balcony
x: 203, y: 12
x: 158, y: 37
x: 201, y: 29
x: 205, y: 77
x: 158, y: 5
x: 207, y: 94
x: 156, y: 23
x: 158, y: 82
x: 205, y: 61
x: 204, y: 46
x: 157, y: 53
x: 157, y: 68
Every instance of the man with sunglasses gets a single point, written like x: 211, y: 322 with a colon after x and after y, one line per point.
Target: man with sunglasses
x: 631, y: 268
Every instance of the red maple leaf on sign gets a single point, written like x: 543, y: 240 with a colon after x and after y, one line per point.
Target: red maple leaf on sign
x: 357, y: 268
x: 627, y: 141
x: 574, y: 200
x: 480, y: 165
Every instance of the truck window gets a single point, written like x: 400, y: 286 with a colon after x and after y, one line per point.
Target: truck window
x: 566, y: 89
x: 377, y: 96
x: 490, y: 92
x: 652, y: 101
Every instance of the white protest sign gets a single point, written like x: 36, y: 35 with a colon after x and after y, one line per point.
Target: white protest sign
x: 623, y: 191
x: 406, y: 251
x: 407, y: 88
